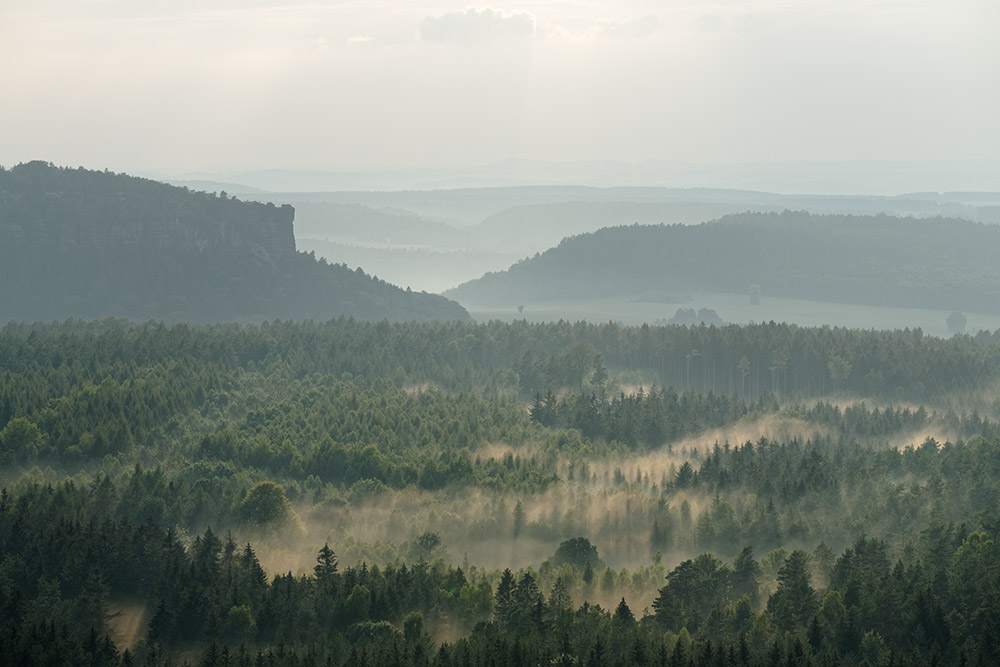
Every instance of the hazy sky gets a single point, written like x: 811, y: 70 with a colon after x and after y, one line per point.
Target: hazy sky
x: 228, y: 84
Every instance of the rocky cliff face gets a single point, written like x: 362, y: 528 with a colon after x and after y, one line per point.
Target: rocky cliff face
x: 79, y: 243
x: 61, y: 210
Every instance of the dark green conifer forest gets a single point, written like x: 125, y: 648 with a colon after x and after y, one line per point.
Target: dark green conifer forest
x: 376, y: 493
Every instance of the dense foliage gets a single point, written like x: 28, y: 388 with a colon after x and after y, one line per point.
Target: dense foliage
x: 355, y: 493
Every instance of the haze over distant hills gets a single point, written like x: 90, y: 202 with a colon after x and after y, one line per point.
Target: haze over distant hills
x: 430, y: 237
x: 437, y: 239
x: 873, y: 260
x: 79, y: 243
x: 468, y: 207
x: 867, y: 177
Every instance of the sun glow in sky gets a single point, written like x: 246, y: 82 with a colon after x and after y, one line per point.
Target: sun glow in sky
x: 227, y: 84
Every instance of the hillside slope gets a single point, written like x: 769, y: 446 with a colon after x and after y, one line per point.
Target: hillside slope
x: 79, y: 243
x: 874, y: 260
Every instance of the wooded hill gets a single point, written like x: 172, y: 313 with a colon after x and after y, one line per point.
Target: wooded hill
x: 79, y: 243
x: 872, y: 260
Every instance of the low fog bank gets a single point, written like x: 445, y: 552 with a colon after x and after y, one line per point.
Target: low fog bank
x: 421, y: 268
x: 631, y: 506
x: 733, y: 309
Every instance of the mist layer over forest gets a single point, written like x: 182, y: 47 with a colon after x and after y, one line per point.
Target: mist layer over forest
x: 349, y: 488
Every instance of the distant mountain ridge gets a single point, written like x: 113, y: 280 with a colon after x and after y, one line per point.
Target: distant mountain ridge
x: 857, y: 176
x: 872, y: 260
x: 81, y: 243
x: 401, y: 235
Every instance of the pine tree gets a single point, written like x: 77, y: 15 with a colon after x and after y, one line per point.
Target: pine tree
x: 794, y: 602
x: 503, y: 604
x: 519, y: 519
x: 623, y: 614
x: 746, y: 575
x: 257, y: 576
x: 658, y: 539
x: 326, y: 563
x: 559, y: 598
x: 94, y: 603
x: 685, y: 476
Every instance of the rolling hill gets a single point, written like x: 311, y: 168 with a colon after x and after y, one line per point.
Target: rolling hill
x: 872, y: 260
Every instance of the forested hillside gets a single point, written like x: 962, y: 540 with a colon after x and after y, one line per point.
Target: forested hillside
x: 355, y: 493
x: 437, y: 239
x: 874, y: 260
x: 79, y: 243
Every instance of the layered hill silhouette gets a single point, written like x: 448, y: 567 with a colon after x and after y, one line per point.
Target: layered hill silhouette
x: 81, y: 243
x: 871, y: 260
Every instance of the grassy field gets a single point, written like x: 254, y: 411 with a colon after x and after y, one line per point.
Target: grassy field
x: 736, y: 308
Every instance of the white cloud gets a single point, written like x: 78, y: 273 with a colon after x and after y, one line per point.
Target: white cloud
x: 706, y: 80
x: 638, y: 28
x: 475, y: 26
x: 357, y: 40
x: 627, y: 30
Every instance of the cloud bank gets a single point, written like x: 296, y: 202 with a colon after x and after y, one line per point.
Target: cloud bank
x: 637, y: 28
x: 476, y: 26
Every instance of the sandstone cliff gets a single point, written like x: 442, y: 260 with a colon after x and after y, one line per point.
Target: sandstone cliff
x: 80, y: 243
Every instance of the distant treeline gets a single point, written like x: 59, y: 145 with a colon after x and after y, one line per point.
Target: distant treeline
x: 876, y: 260
x: 365, y: 407
x: 662, y: 416
x: 746, y: 361
x: 349, y: 401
